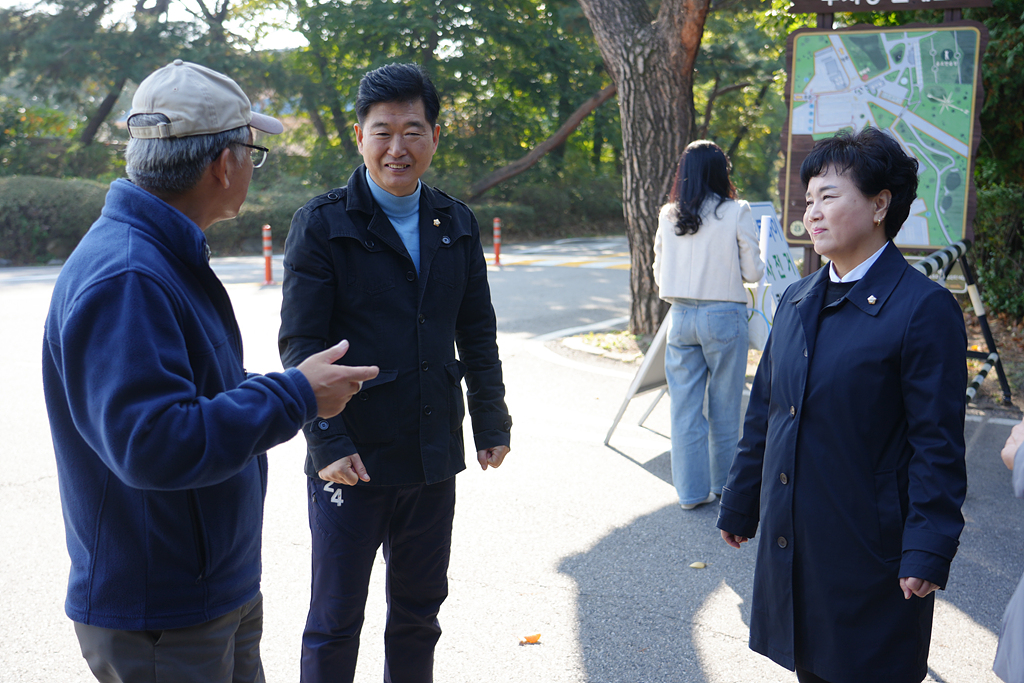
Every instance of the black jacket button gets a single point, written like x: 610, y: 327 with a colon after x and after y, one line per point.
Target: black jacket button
x: 424, y: 365
x: 782, y: 542
x: 427, y: 410
x: 410, y: 276
x: 783, y: 478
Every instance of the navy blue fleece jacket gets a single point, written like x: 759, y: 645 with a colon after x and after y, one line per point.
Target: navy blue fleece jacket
x: 159, y: 433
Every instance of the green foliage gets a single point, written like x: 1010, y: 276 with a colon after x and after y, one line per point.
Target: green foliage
x: 744, y: 45
x: 509, y: 73
x: 1001, y: 155
x: 244, y: 234
x: 34, y: 141
x: 44, y: 218
x: 584, y: 206
x: 998, y: 247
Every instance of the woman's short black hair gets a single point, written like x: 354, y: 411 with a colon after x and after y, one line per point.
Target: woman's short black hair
x: 702, y: 174
x: 397, y: 83
x: 875, y: 162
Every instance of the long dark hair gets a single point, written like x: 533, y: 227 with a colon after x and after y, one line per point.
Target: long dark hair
x: 703, y: 174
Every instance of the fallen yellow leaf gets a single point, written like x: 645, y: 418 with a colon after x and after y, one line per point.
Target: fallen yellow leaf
x: 530, y: 640
x: 697, y: 565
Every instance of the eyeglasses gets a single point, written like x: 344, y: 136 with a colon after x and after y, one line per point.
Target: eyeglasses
x: 257, y: 153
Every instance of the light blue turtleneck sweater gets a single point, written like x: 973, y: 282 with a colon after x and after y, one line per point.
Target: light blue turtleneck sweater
x: 404, y: 214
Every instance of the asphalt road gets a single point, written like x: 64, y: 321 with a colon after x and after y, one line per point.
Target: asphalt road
x: 577, y: 541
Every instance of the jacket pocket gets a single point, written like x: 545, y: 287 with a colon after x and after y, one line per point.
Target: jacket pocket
x: 370, y: 415
x: 449, y: 263
x: 890, y: 516
x: 198, y: 534
x: 455, y: 371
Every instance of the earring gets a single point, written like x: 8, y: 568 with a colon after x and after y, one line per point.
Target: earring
x: 878, y: 222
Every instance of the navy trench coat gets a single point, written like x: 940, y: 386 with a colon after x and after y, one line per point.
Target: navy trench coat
x: 852, y: 463
x: 349, y: 276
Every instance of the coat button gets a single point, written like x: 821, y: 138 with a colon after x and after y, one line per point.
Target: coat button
x: 410, y: 276
x: 805, y: 353
x: 333, y: 196
x: 792, y: 410
x: 782, y: 542
x: 427, y: 410
x: 446, y: 240
x: 368, y: 243
x: 323, y: 425
x: 783, y: 478
x: 422, y: 318
x: 424, y: 365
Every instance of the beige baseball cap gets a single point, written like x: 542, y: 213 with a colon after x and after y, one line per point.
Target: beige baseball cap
x: 197, y: 101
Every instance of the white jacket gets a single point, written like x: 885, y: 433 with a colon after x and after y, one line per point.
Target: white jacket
x: 713, y: 263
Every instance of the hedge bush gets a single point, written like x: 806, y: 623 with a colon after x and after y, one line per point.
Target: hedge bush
x: 556, y: 210
x: 44, y: 218
x: 998, y: 249
x: 244, y: 234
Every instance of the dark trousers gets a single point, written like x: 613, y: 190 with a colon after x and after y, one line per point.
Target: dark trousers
x: 223, y: 650
x: 348, y: 524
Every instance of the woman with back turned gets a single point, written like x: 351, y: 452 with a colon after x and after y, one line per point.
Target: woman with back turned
x: 705, y: 248
x: 852, y: 457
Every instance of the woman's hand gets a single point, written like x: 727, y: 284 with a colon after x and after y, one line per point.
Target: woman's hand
x: 733, y: 539
x: 914, y: 586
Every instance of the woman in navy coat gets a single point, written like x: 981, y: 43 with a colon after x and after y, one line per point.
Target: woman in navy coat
x: 852, y: 455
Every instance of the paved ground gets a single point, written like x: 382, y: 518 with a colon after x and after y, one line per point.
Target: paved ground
x: 571, y: 539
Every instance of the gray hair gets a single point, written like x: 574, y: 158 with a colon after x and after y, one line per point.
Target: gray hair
x: 174, y: 165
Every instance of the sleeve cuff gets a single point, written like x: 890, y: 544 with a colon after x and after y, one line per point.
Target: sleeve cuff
x: 327, y: 441
x: 308, y: 397
x: 734, y: 523
x: 925, y: 565
x: 492, y: 438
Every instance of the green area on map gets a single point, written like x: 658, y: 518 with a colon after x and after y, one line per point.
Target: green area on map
x: 919, y: 85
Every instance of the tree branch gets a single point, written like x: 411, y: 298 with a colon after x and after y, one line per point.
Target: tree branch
x: 560, y: 136
x: 715, y: 94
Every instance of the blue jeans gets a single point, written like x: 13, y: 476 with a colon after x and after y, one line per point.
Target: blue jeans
x: 707, y: 349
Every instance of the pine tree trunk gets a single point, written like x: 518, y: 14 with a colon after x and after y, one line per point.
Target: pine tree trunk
x: 651, y: 61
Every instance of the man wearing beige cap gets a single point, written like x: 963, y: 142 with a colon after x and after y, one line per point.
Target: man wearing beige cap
x: 159, y: 432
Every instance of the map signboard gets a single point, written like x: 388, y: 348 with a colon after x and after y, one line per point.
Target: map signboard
x: 919, y: 82
x: 825, y: 6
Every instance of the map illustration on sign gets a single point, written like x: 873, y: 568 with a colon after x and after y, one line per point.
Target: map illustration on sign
x: 920, y: 85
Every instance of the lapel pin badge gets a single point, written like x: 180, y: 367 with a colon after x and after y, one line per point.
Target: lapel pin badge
x: 872, y: 299
x: 437, y: 222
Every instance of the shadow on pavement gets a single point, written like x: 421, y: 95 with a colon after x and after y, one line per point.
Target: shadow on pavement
x: 645, y: 615
x: 990, y: 559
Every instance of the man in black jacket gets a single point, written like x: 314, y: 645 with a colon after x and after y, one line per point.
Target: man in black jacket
x: 396, y: 268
